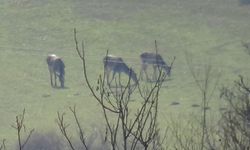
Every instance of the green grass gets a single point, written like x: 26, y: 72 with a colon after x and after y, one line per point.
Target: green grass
x: 31, y: 29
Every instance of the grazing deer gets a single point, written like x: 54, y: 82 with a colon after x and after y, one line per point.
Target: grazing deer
x: 56, y: 68
x: 156, y: 61
x: 117, y: 65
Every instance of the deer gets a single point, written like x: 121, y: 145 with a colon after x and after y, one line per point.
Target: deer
x: 56, y: 69
x: 116, y: 65
x: 157, y: 62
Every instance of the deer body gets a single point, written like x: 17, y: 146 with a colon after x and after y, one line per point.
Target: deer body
x: 115, y: 65
x: 156, y: 61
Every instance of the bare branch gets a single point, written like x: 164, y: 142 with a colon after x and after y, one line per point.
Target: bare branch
x: 82, y: 138
x: 141, y: 128
x: 62, y: 126
x: 19, y: 127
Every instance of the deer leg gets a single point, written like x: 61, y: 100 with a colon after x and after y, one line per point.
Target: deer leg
x: 108, y: 78
x: 107, y: 72
x: 51, y: 75
x: 120, y: 79
x: 143, y: 71
x: 55, y: 79
x: 61, y: 78
x: 157, y: 71
x: 154, y: 73
x: 141, y: 74
x: 51, y: 80
x: 113, y: 76
x: 106, y: 75
x: 146, y: 73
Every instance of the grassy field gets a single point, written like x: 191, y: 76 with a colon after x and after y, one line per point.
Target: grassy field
x: 30, y: 29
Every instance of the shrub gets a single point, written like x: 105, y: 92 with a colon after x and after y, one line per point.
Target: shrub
x: 234, y: 126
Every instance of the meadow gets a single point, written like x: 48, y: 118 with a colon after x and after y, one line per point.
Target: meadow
x: 211, y: 31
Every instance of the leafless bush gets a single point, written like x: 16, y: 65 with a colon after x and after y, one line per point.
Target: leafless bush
x: 96, y: 140
x: 186, y: 134
x: 206, y: 80
x: 137, y: 131
x: 235, y: 122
